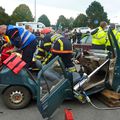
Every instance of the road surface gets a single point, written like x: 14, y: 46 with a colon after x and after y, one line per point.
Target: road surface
x: 80, y: 112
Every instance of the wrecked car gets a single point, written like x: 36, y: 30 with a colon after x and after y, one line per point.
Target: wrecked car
x: 101, y: 70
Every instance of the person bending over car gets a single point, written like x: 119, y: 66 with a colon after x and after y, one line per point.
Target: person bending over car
x: 53, y: 45
x: 22, y: 39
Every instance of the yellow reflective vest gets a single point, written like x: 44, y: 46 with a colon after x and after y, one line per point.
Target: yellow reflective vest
x: 117, y: 36
x: 99, y: 38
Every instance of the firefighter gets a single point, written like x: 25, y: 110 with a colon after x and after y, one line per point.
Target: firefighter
x: 22, y: 39
x: 42, y: 48
x: 54, y: 45
x: 117, y: 36
x: 99, y: 36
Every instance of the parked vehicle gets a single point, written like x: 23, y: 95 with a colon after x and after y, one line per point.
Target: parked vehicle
x: 35, y: 25
x: 85, y: 44
x: 82, y: 29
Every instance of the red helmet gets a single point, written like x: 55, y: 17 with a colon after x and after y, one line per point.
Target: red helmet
x: 45, y: 31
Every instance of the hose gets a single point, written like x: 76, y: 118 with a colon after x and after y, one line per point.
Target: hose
x: 113, y: 108
x: 89, y: 101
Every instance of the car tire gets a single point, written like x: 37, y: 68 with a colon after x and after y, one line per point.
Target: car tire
x: 16, y: 97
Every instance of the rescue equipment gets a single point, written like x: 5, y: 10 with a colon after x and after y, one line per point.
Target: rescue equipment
x: 14, y: 63
x: 68, y: 114
x: 4, y: 54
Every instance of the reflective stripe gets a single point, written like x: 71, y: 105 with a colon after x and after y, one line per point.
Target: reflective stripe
x: 33, y: 59
x: 22, y: 35
x: 59, y: 51
x: 40, y: 49
x: 56, y: 36
x: 61, y: 44
x: 14, y: 33
x: 55, y: 41
x: 47, y: 44
x: 46, y: 59
x: 37, y: 56
x: 24, y: 31
x: 72, y: 69
x: 26, y: 38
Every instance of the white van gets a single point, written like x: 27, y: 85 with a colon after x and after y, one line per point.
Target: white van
x: 35, y: 25
x: 82, y: 29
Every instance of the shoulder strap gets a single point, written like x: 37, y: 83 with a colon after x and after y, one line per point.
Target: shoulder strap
x: 94, y: 31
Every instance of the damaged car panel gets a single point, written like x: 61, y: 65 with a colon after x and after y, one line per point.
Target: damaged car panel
x: 56, y: 93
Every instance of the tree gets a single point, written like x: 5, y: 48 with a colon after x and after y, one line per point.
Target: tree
x: 62, y: 22
x: 80, y: 21
x: 4, y: 18
x: 44, y: 19
x: 96, y: 14
x: 22, y: 13
x: 70, y: 23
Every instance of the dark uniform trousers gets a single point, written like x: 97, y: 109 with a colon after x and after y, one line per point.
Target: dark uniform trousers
x: 28, y: 52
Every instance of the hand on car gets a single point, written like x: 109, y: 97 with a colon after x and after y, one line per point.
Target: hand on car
x: 10, y: 51
x: 6, y: 45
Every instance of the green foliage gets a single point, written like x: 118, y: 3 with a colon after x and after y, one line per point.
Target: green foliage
x: 44, y: 19
x: 70, y: 23
x: 4, y: 18
x: 62, y: 22
x: 21, y: 13
x: 80, y: 21
x: 96, y: 14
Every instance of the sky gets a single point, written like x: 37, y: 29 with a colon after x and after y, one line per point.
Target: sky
x: 69, y: 8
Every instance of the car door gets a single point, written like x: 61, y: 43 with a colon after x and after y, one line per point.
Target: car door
x: 54, y: 79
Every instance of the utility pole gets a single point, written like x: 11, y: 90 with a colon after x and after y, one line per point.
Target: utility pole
x: 35, y: 11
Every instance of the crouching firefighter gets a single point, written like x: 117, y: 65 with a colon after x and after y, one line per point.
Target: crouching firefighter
x: 53, y: 45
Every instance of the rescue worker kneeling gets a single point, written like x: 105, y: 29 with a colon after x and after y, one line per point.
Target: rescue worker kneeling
x: 53, y: 45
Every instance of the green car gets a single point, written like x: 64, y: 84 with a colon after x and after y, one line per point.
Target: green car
x: 53, y: 83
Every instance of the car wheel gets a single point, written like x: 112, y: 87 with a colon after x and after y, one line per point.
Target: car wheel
x: 16, y: 97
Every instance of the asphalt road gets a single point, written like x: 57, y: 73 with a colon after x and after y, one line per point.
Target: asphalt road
x: 80, y: 112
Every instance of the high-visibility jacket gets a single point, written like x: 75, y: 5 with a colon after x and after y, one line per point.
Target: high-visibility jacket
x: 44, y: 47
x: 117, y: 36
x: 99, y: 38
x: 40, y: 53
x: 54, y: 44
x: 19, y: 36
